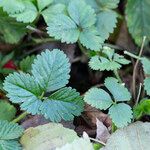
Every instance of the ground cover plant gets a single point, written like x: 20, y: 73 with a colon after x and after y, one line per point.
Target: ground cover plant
x: 74, y: 74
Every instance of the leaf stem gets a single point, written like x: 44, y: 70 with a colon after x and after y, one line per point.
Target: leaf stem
x: 20, y: 117
x: 132, y: 55
x: 84, y: 51
x: 117, y: 76
x: 45, y: 40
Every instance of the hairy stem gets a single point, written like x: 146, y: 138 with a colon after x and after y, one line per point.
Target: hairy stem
x: 117, y: 76
x: 20, y: 117
x: 84, y: 51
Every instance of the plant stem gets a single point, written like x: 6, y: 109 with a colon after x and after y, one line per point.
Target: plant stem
x: 84, y: 51
x: 20, y: 117
x: 114, y: 128
x: 135, y: 69
x: 95, y: 140
x: 117, y: 76
x: 132, y: 55
x: 45, y: 40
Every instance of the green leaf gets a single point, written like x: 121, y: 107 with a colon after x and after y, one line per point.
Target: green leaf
x: 78, y: 25
x: 11, y: 30
x: 63, y: 104
x: 22, y: 88
x: 109, y: 61
x: 12, y: 6
x: 81, y: 13
x: 123, y: 139
x: 9, y: 133
x: 43, y: 4
x: 26, y: 64
x: 78, y: 144
x: 143, y: 108
x: 147, y: 85
x: 63, y: 28
x: 51, y: 70
x: 146, y: 63
x: 98, y: 98
x: 7, y: 111
x: 106, y: 22
x: 52, y: 11
x: 119, y: 91
x: 121, y: 114
x: 49, y: 136
x: 28, y: 15
x: 137, y: 16
x: 90, y: 39
x: 37, y: 93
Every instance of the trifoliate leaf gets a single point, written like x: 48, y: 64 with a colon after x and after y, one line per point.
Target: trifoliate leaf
x: 147, y: 85
x: 137, y: 16
x: 43, y: 4
x: 77, y: 26
x: 143, y: 108
x: 26, y: 64
x: 98, y: 98
x: 90, y: 39
x: 9, y: 133
x: 81, y: 13
x: 106, y: 22
x: 123, y: 139
x: 11, y: 30
x: 28, y: 15
x: 110, y: 60
x: 52, y: 11
x: 119, y: 91
x: 121, y: 114
x: 51, y: 70
x: 48, y: 136
x: 78, y: 144
x: 7, y: 111
x: 22, y: 88
x: 12, y: 6
x: 63, y: 104
x: 63, y: 28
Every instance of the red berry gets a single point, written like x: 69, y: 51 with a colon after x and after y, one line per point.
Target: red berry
x: 10, y: 65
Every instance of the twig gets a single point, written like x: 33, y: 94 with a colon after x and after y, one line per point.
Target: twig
x: 139, y: 93
x: 135, y: 69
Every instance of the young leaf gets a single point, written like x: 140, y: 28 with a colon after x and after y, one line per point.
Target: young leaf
x: 63, y: 104
x: 98, y: 98
x: 110, y: 60
x: 121, y: 114
x: 143, y: 108
x: 7, y: 111
x: 51, y: 70
x: 9, y: 133
x: 119, y: 92
x: 137, y: 15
